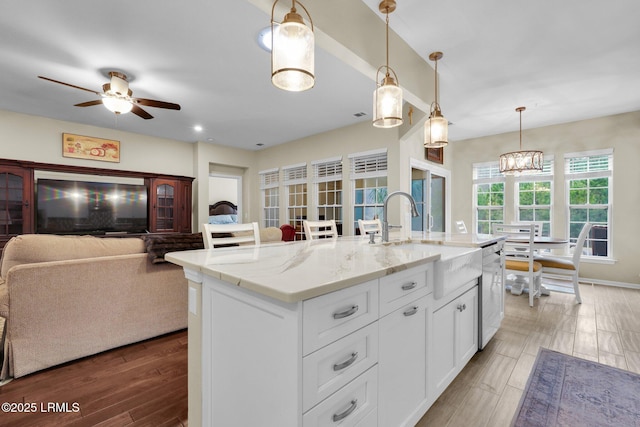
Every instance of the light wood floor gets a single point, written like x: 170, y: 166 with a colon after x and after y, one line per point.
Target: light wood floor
x: 604, y: 328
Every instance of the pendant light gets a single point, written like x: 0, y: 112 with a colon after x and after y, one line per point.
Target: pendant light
x: 521, y: 162
x: 387, y: 98
x: 292, y: 51
x: 436, y: 128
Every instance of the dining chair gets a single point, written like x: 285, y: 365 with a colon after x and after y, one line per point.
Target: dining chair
x: 519, y: 258
x: 369, y: 226
x: 567, y: 267
x: 221, y: 235
x: 537, y: 230
x: 461, y: 227
x: 320, y: 229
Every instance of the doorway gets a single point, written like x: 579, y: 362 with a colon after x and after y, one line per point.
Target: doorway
x: 431, y: 188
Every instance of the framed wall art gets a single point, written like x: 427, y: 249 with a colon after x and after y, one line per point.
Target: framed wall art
x: 90, y: 148
x: 435, y: 155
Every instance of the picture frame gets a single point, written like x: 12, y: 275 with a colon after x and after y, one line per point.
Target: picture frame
x: 90, y: 148
x: 435, y: 155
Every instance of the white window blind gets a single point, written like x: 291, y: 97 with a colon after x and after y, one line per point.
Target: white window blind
x: 487, y: 172
x: 327, y: 170
x: 545, y: 175
x: 589, y: 164
x: 295, y: 174
x: 370, y: 164
x: 269, y: 178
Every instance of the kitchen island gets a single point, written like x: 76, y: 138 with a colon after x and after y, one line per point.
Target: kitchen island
x: 327, y: 332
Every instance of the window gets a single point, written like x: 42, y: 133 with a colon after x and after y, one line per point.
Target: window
x: 589, y: 188
x: 534, y: 195
x: 488, y: 188
x: 369, y: 177
x: 327, y: 177
x: 295, y: 180
x: 269, y: 180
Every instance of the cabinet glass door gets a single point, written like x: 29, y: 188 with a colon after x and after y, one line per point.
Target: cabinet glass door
x: 165, y: 205
x: 11, y: 204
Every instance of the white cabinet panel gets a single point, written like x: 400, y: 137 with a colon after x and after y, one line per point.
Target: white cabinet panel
x: 328, y: 369
x: 329, y: 317
x: 403, y: 394
x: 403, y: 287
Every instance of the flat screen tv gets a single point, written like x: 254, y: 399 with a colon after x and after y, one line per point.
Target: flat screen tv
x: 76, y: 207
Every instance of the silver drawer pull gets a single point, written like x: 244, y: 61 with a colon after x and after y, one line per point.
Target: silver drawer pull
x: 347, y: 412
x: 348, y: 312
x: 409, y: 286
x: 411, y: 311
x: 346, y: 363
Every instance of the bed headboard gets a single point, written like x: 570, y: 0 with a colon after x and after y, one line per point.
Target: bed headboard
x: 223, y: 207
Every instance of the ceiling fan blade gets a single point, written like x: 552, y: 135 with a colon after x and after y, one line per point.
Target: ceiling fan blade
x: 89, y: 103
x: 68, y: 84
x: 157, y: 104
x: 140, y: 112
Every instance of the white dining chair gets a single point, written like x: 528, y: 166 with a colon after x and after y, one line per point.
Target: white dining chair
x: 519, y: 258
x: 461, y: 227
x: 369, y: 226
x: 568, y: 268
x: 320, y: 229
x: 241, y: 234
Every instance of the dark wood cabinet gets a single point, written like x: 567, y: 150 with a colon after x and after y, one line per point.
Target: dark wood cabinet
x: 170, y: 198
x: 16, y: 202
x: 170, y: 205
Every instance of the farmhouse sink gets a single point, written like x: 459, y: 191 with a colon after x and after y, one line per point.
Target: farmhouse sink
x: 457, y: 266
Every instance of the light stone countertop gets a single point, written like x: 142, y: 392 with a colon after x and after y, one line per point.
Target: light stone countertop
x: 295, y: 271
x: 456, y: 239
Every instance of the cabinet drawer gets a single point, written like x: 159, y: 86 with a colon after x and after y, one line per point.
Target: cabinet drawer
x: 400, y: 288
x: 349, y: 406
x: 328, y: 369
x: 329, y: 317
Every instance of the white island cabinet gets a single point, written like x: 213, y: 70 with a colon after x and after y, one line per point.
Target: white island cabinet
x: 313, y: 334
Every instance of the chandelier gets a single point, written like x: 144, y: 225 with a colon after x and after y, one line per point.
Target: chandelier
x: 521, y: 162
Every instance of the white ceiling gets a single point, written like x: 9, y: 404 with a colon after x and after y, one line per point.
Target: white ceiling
x: 564, y: 60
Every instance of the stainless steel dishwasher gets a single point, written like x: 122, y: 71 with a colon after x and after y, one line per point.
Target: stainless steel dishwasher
x: 491, y: 293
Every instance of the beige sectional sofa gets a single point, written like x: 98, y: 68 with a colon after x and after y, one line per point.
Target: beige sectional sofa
x: 66, y: 297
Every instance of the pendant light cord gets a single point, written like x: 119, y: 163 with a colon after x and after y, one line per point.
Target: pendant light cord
x: 387, y: 13
x: 436, y: 81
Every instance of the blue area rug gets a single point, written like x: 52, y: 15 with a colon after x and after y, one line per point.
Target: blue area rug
x: 564, y: 390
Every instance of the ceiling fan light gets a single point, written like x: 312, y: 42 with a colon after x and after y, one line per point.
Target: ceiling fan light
x: 292, y: 54
x: 117, y: 105
x: 436, y: 131
x: 387, y: 102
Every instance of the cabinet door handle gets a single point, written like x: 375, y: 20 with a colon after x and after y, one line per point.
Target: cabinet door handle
x: 409, y: 286
x: 411, y: 311
x: 346, y: 363
x: 347, y: 412
x: 462, y: 307
x: 346, y: 313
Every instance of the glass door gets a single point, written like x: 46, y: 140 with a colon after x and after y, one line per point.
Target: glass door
x: 429, y: 189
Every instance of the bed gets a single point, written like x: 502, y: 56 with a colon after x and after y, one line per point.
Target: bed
x: 223, y: 212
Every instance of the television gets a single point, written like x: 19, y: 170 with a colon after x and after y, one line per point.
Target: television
x: 76, y: 207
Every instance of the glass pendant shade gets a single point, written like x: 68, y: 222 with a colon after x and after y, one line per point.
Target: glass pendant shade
x: 117, y: 105
x: 292, y: 54
x: 436, y: 131
x: 387, y: 104
x: 436, y: 128
x: 521, y: 162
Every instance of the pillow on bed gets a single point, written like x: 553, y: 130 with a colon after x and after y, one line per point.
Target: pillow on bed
x: 223, y: 219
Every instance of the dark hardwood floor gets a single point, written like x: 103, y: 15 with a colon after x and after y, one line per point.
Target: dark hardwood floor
x: 143, y: 384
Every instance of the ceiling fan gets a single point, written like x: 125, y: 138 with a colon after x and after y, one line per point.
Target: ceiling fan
x: 116, y: 97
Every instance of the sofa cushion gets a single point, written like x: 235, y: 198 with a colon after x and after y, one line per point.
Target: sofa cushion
x: 32, y: 248
x: 4, y: 300
x: 158, y: 245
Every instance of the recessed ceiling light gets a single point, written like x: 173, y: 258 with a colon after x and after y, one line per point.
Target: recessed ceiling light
x: 259, y: 144
x: 264, y: 38
x: 360, y: 114
x: 197, y: 128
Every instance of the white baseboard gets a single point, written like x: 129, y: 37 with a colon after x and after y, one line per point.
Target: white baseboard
x: 609, y: 283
